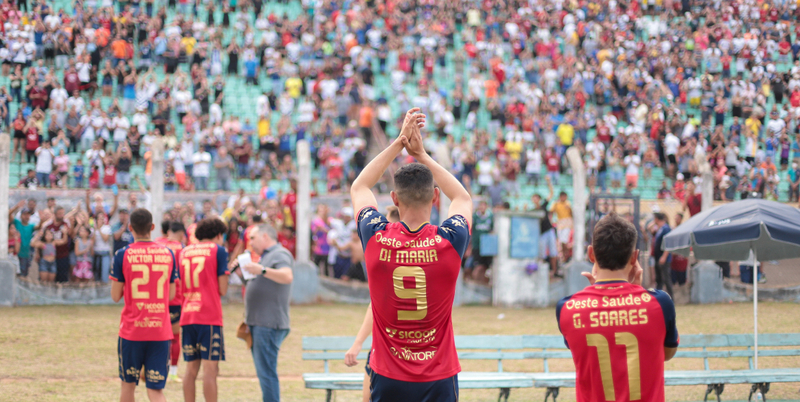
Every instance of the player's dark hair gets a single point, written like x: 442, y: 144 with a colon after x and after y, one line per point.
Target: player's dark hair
x: 141, y: 221
x: 165, y: 226
x: 413, y: 184
x: 257, y: 219
x: 209, y: 228
x: 176, y: 227
x: 613, y: 241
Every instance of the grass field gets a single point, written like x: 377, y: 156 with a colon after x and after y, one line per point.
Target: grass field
x: 64, y: 353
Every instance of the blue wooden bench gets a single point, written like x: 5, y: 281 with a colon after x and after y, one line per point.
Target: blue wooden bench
x: 334, y: 347
x: 714, y: 380
x: 546, y: 347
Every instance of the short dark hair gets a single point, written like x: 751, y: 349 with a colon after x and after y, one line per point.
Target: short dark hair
x: 176, y: 227
x: 660, y: 216
x: 209, y: 228
x: 413, y: 184
x: 613, y: 241
x: 165, y: 226
x: 257, y: 218
x: 141, y: 221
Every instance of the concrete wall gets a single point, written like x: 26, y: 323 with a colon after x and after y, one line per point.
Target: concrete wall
x: 512, y: 285
x: 8, y: 275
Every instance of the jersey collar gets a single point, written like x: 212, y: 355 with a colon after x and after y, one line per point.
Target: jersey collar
x: 609, y: 281
x: 417, y: 229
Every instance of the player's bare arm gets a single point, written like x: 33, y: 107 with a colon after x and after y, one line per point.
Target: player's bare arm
x: 117, y: 289
x: 282, y: 275
x: 669, y: 353
x: 361, y: 190
x: 350, y: 358
x: 222, y: 281
x: 460, y: 200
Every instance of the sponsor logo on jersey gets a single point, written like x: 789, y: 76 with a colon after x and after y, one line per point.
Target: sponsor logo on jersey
x: 407, y: 355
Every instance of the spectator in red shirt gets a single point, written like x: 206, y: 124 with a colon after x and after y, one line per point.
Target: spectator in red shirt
x: 38, y: 97
x: 692, y: 202
x: 553, y: 165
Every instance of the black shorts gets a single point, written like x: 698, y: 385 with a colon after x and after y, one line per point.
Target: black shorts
x: 678, y: 277
x: 175, y: 314
x: 784, y: 161
x: 19, y: 134
x: 153, y: 355
x: 672, y: 159
x: 203, y: 342
x: 384, y: 389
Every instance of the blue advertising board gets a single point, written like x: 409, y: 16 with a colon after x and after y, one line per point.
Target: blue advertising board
x: 524, y: 238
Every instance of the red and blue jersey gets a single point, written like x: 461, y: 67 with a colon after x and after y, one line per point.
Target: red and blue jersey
x: 176, y: 248
x: 147, y: 269
x: 608, y: 327
x: 201, y: 265
x: 412, y: 281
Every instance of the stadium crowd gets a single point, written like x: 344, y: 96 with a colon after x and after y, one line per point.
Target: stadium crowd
x: 637, y: 87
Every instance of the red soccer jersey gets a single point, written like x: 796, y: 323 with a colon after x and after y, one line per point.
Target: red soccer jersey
x: 201, y: 266
x: 176, y: 248
x: 609, y: 327
x: 413, y: 330
x: 147, y: 269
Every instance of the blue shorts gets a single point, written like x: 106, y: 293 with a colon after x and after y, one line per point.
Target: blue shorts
x: 203, y: 342
x: 548, y: 244
x: 384, y: 389
x: 174, y: 314
x: 367, y: 368
x: 153, y: 355
x: 47, y: 266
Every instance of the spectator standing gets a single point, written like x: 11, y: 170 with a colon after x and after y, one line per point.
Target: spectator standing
x: 663, y: 274
x: 44, y: 163
x: 60, y: 230
x: 101, y: 247
x: 224, y: 166
x: 320, y: 227
x: 122, y: 233
x: 201, y: 169
x: 25, y: 228
x: 267, y: 306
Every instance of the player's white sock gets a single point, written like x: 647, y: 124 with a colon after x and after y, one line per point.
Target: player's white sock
x: 173, y: 370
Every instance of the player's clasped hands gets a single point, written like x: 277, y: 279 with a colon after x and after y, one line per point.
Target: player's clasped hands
x: 410, y: 134
x: 635, y: 276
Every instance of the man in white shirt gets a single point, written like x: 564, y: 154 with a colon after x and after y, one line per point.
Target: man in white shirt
x: 76, y: 102
x: 121, y: 126
x: 632, y: 163
x: 58, y: 96
x: 262, y: 105
x: 44, y: 163
x: 140, y: 120
x: 328, y: 88
x: 201, y: 169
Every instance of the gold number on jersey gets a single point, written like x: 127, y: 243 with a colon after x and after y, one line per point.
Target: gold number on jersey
x: 193, y: 276
x: 145, y: 279
x: 604, y: 358
x: 417, y: 293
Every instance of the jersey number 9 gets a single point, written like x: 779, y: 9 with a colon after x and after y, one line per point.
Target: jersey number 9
x: 418, y: 292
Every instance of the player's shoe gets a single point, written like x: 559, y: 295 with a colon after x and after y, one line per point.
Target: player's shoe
x: 174, y: 378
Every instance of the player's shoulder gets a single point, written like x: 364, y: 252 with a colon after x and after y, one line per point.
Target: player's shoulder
x: 660, y: 296
x: 121, y: 252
